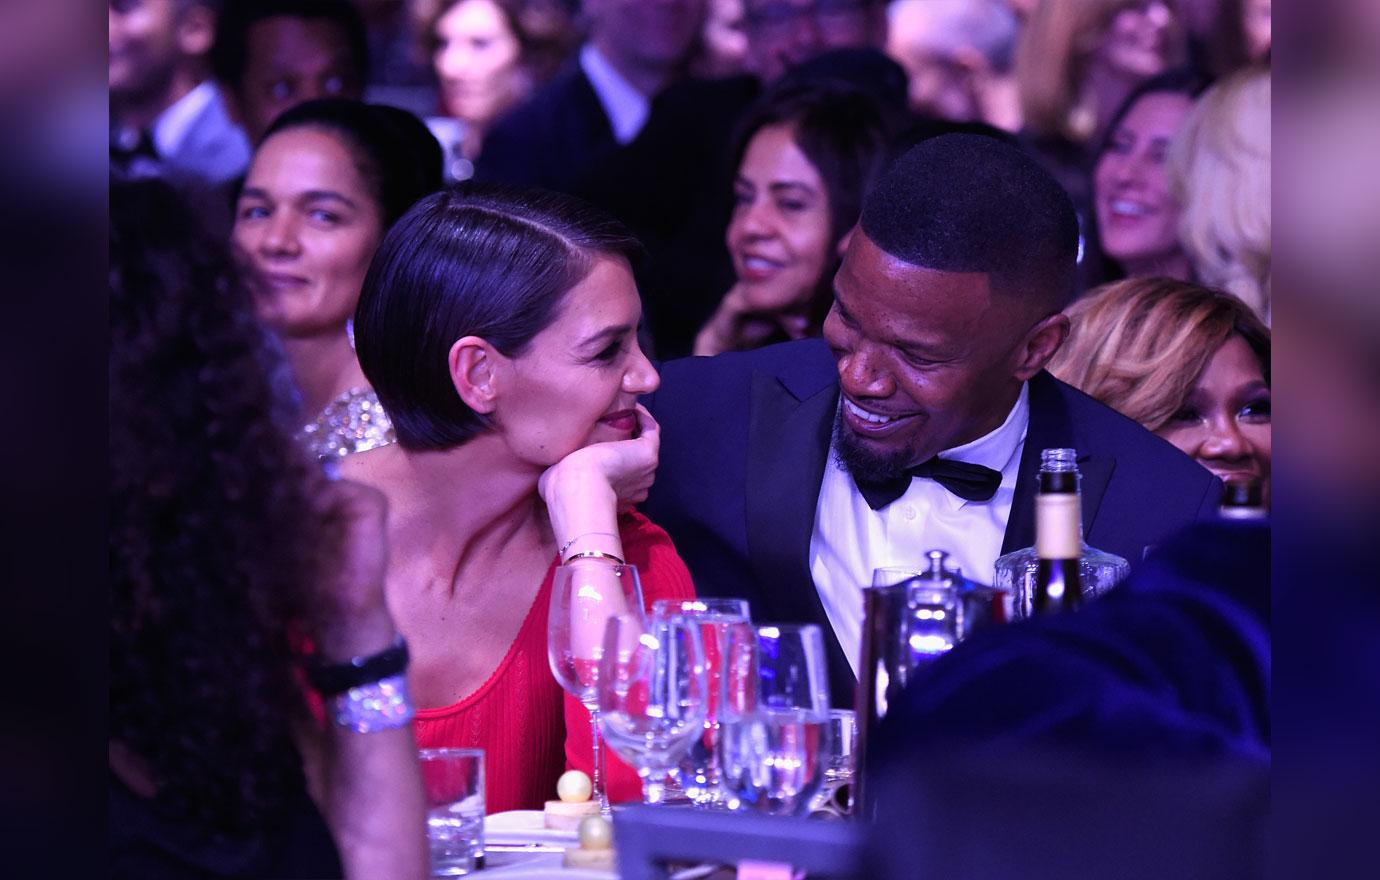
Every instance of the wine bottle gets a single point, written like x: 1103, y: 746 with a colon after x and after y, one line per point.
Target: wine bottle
x: 1058, y: 544
x: 1058, y: 509
x: 1243, y: 498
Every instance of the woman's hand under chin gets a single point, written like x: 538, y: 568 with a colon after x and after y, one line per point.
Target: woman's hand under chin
x: 585, y: 491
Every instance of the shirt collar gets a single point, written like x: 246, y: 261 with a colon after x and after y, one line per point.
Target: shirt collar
x: 998, y: 449
x: 173, y: 123
x: 625, y: 106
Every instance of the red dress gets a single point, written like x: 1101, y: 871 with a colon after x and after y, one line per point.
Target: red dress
x: 530, y: 729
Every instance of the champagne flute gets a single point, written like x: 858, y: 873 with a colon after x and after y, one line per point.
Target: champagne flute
x: 698, y: 773
x: 584, y: 595
x: 775, y: 748
x: 653, y: 694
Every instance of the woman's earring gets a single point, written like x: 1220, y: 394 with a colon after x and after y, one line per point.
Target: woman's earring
x: 350, y: 331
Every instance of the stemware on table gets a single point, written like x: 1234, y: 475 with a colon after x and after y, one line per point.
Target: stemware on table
x: 584, y: 595
x: 698, y: 772
x: 653, y: 694
x: 775, y: 744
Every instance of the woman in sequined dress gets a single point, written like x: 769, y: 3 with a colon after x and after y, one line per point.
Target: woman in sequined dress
x: 327, y: 181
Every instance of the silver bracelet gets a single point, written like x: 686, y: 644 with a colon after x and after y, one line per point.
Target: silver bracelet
x: 379, y: 705
x: 571, y: 543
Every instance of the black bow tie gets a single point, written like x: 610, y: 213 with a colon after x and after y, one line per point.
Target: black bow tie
x: 971, y: 482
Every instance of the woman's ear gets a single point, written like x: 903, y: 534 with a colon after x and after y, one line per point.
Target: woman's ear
x: 474, y: 373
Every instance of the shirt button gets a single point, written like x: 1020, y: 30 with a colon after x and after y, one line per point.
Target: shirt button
x: 908, y: 512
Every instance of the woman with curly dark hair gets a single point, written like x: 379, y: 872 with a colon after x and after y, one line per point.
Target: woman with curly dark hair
x: 223, y: 539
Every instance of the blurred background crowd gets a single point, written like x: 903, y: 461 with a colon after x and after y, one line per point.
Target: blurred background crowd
x: 736, y: 138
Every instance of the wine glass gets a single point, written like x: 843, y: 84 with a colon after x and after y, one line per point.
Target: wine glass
x: 774, y: 749
x: 653, y: 694
x: 584, y: 595
x: 835, y: 796
x: 698, y: 773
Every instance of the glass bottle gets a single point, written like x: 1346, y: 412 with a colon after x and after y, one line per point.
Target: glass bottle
x: 1243, y: 498
x: 1019, y: 571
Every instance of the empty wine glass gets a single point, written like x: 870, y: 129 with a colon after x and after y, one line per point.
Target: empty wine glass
x: 652, y: 694
x: 698, y: 773
x: 584, y: 595
x: 774, y: 749
x: 835, y: 796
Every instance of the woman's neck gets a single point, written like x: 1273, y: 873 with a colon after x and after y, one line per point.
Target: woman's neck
x: 1174, y: 265
x: 324, y: 367
x: 459, y: 507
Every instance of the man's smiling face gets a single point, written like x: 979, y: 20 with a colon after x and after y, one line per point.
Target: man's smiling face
x: 927, y: 359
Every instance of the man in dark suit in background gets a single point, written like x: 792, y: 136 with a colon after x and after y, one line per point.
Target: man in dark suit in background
x: 168, y: 117
x: 933, y: 410
x: 599, y: 102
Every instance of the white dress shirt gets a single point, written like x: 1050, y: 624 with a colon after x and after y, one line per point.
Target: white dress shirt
x: 625, y: 107
x: 851, y: 539
x: 171, y: 126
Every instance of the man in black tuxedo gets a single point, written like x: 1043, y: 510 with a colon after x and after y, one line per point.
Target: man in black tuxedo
x: 789, y: 473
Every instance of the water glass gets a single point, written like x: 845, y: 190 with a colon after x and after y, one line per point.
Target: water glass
x: 698, y: 772
x: 835, y: 796
x: 774, y: 748
x: 584, y: 595
x: 454, y: 783
x: 653, y: 694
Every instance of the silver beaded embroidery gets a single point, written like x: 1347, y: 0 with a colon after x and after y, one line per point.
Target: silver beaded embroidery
x: 353, y: 422
x: 380, y: 705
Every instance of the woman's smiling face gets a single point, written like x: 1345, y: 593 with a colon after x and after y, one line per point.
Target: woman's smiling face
x: 779, y: 235
x: 1137, y: 215
x: 1225, y: 422
x: 579, y: 379
x: 308, y: 225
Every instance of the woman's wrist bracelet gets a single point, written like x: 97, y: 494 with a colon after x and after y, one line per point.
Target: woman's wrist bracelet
x: 330, y: 679
x: 571, y: 543
x: 370, y: 708
x: 592, y: 554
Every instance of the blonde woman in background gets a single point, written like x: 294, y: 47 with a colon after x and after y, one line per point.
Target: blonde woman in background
x: 1077, y: 60
x: 1219, y: 169
x: 1189, y: 363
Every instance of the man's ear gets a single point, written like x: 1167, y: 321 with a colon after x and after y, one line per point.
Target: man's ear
x: 845, y: 239
x: 1040, y: 345
x: 474, y: 371
x: 196, y: 30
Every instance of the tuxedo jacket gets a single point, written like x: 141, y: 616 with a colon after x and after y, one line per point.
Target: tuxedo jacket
x: 745, y: 440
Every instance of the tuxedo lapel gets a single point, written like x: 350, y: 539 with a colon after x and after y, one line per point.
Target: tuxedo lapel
x: 788, y: 450
x: 1052, y: 426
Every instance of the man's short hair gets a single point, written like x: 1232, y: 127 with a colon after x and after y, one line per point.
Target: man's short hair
x: 230, y: 56
x: 969, y: 203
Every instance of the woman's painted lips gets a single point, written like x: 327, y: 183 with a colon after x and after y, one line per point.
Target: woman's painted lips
x: 623, y: 420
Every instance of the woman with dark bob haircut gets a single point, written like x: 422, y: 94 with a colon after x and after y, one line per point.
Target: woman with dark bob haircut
x: 228, y: 548
x: 499, y: 328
